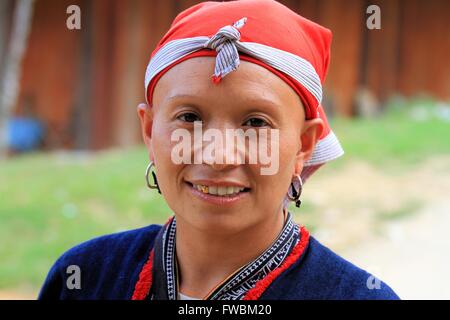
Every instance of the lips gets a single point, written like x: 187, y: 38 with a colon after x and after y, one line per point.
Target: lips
x: 203, y: 191
x: 219, y: 189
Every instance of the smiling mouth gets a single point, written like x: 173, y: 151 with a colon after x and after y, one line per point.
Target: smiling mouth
x: 219, y: 191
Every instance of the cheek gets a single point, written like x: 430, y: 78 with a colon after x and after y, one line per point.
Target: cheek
x: 283, y: 151
x: 287, y: 150
x: 276, y: 185
x: 162, y: 148
x: 160, y: 137
x: 290, y: 144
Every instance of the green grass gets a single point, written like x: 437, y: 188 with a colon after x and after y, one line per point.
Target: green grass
x: 50, y: 202
x: 400, y: 213
x: 406, y: 134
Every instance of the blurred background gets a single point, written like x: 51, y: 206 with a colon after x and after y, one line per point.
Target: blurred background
x: 72, y: 162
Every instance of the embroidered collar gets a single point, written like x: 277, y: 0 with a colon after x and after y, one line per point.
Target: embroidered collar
x: 160, y: 273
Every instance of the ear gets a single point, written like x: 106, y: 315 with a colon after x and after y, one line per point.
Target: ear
x: 311, y: 132
x: 146, y: 118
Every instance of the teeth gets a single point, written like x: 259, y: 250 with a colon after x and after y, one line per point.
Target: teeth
x: 218, y: 190
x: 221, y: 191
x: 213, y: 189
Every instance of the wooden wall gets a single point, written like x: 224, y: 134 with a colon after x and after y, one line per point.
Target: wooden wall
x: 85, y: 84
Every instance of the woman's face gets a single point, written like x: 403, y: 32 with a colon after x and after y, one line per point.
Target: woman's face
x: 250, y: 98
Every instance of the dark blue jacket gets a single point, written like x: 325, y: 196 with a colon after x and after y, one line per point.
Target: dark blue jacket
x: 110, y: 265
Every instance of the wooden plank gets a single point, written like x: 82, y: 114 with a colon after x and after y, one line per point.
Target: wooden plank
x: 49, y: 71
x: 347, y: 23
x: 103, y: 36
x: 425, y: 48
x: 381, y: 63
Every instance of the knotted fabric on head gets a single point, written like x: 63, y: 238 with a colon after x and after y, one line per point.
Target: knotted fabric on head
x: 227, y: 54
x: 264, y: 32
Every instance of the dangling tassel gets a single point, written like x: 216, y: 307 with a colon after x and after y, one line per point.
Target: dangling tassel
x: 295, y: 194
x: 156, y: 181
x: 216, y: 79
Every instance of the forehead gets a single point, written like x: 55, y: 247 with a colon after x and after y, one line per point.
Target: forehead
x: 249, y: 82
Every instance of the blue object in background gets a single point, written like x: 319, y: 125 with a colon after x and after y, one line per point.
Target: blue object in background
x: 24, y: 134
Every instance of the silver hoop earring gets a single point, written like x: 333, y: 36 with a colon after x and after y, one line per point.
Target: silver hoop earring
x: 155, y: 181
x: 296, y: 193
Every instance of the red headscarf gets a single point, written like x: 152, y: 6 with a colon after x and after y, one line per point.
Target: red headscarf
x: 264, y: 32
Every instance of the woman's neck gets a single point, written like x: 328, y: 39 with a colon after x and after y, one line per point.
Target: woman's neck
x: 206, y: 259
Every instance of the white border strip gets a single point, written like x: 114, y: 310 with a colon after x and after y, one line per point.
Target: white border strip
x: 326, y: 150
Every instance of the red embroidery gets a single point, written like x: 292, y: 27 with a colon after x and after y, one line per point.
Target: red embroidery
x: 144, y: 283
x: 261, y: 286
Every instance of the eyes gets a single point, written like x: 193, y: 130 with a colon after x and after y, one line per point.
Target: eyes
x: 189, y: 117
x: 256, y: 122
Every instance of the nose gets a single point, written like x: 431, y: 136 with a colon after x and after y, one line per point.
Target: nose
x: 220, y: 149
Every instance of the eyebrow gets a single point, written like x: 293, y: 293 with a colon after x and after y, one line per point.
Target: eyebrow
x: 181, y: 96
x: 252, y: 100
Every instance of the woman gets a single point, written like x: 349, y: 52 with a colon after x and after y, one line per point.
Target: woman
x: 231, y: 236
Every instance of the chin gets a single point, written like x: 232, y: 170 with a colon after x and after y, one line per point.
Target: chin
x: 219, y: 221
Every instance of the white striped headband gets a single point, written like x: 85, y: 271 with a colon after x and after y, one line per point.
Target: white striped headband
x: 226, y: 43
